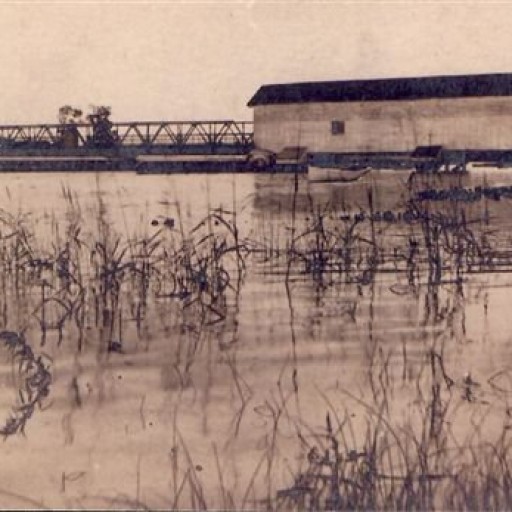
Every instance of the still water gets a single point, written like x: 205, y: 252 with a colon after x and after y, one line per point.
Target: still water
x: 189, y: 410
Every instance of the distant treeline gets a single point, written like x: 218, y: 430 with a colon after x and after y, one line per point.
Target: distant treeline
x: 467, y: 195
x: 409, y: 216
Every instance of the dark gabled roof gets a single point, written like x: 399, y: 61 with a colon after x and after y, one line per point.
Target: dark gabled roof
x: 499, y: 84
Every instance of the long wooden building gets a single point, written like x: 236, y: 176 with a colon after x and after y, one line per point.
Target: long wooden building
x: 469, y: 115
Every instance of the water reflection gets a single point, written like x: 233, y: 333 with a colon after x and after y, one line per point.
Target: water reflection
x: 200, y: 328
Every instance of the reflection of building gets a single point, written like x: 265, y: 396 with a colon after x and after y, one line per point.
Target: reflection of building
x: 471, y: 113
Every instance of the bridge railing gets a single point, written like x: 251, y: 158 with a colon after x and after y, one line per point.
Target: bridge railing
x: 175, y: 134
x: 186, y: 133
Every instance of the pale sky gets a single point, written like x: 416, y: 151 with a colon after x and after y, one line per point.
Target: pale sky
x: 180, y: 61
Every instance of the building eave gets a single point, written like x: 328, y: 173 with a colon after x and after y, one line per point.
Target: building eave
x: 389, y: 89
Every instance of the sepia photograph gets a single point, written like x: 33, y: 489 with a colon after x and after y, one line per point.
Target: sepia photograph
x: 255, y: 255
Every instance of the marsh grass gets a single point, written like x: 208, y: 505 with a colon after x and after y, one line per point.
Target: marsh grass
x: 33, y: 381
x: 418, y: 239
x: 188, y: 282
x: 84, y: 283
x: 412, y: 461
x: 379, y: 459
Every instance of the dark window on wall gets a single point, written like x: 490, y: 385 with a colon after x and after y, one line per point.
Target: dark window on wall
x: 337, y: 127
